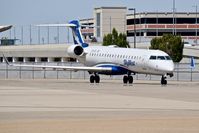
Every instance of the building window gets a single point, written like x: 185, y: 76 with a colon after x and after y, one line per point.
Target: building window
x: 32, y: 59
x: 98, y: 24
x: 44, y: 59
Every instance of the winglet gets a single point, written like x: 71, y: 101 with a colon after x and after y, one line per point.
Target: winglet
x: 6, y: 60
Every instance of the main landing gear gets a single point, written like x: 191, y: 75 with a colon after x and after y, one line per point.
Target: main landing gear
x: 94, y: 78
x: 163, y: 80
x: 128, y: 79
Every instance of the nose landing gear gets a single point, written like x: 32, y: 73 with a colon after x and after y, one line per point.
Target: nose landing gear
x: 163, y: 80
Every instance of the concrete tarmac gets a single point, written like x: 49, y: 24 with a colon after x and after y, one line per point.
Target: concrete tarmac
x: 76, y: 106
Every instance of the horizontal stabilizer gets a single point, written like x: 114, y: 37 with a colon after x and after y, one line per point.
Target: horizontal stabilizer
x: 56, y: 25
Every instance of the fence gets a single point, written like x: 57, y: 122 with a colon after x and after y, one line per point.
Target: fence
x: 30, y: 34
x: 182, y: 72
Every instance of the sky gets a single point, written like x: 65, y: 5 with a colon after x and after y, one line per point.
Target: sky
x: 26, y: 12
x: 23, y: 13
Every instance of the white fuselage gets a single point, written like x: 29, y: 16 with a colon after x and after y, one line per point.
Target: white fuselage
x: 128, y: 59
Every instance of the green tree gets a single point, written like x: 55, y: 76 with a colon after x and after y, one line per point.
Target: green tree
x: 170, y: 44
x: 115, y: 39
x: 114, y: 36
x: 107, y: 40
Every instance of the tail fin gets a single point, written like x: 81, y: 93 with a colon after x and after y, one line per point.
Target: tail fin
x: 77, y: 35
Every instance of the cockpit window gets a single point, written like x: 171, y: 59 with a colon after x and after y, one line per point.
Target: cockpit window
x: 168, y: 57
x: 161, y: 58
x: 153, y: 57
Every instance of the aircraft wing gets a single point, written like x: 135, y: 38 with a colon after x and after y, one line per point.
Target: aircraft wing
x: 73, y: 68
x: 4, y: 28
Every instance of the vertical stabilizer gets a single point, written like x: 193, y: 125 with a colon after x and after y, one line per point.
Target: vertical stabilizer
x: 77, y: 35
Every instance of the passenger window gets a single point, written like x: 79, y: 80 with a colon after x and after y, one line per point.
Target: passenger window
x: 152, y: 58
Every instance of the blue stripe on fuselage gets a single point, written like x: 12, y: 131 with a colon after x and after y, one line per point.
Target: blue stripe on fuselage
x: 116, y: 70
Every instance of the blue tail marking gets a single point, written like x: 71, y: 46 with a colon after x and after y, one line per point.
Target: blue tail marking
x: 77, y: 35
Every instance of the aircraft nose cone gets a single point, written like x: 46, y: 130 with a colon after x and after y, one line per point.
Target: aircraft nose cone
x: 171, y: 67
x: 167, y: 67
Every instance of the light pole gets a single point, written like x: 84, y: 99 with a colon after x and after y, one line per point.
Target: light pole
x: 196, y: 8
x: 30, y: 34
x: 174, y: 17
x: 39, y: 35
x: 57, y: 34
x: 134, y: 26
x: 48, y: 34
x: 110, y: 25
x: 157, y: 23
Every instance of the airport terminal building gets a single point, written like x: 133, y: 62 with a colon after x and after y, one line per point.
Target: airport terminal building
x: 142, y: 25
x: 145, y: 25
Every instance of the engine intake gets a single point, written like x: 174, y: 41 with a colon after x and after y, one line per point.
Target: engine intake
x: 75, y: 50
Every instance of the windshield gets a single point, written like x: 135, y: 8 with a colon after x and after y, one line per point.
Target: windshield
x: 153, y: 57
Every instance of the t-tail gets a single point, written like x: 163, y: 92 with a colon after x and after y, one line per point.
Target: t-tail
x: 76, y: 31
x: 77, y: 35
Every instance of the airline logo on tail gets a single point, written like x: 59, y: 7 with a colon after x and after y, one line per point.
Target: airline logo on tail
x: 77, y: 35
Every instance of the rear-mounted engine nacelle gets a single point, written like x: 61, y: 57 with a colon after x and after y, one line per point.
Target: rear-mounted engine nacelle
x: 75, y: 50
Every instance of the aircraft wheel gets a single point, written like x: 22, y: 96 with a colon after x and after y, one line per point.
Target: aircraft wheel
x: 92, y: 79
x: 130, y: 79
x: 97, y: 78
x: 125, y: 79
x: 163, y: 81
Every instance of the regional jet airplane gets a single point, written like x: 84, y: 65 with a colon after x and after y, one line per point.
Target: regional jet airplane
x: 110, y: 60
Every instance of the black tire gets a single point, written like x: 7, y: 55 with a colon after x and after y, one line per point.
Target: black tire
x: 163, y: 81
x: 125, y: 79
x: 92, y: 79
x: 130, y: 79
x: 97, y: 79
